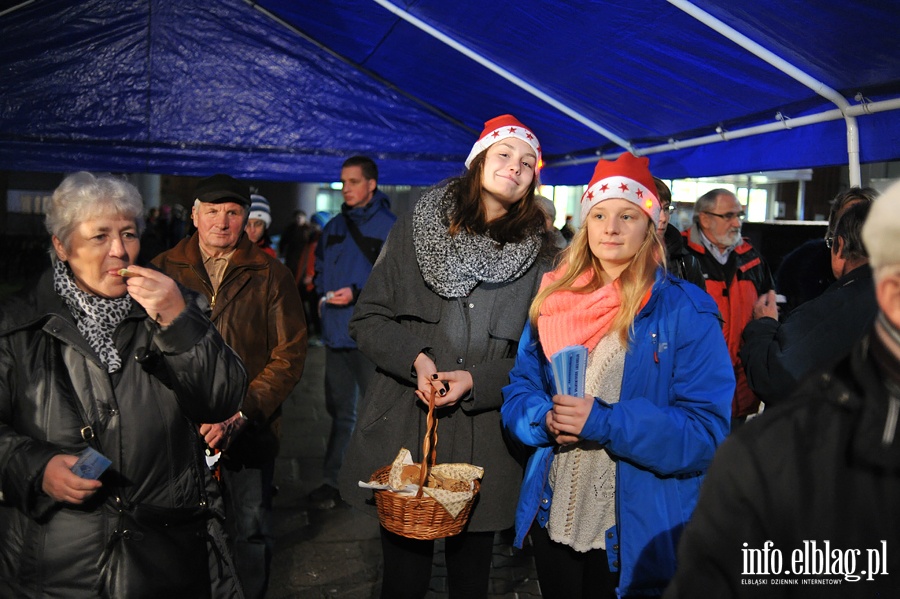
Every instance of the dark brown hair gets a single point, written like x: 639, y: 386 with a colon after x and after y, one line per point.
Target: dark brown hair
x: 368, y: 166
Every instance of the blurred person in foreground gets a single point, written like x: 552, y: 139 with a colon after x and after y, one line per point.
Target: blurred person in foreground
x: 443, y: 311
x: 802, y: 501
x: 128, y: 367
x: 256, y: 307
x: 613, y: 474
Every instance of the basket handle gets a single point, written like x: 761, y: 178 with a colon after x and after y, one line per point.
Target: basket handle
x: 429, y: 443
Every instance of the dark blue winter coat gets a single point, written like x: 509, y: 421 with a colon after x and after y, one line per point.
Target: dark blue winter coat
x: 341, y: 263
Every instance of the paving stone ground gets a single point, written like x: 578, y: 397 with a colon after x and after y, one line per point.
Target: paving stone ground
x: 337, y: 553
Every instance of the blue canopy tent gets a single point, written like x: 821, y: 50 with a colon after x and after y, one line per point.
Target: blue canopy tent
x: 285, y: 90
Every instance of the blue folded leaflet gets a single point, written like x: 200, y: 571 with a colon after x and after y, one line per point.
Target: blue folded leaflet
x: 568, y: 366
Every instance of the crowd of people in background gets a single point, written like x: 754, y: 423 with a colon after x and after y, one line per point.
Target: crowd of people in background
x: 723, y: 409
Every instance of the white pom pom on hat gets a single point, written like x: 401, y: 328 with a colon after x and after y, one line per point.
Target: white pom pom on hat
x: 625, y: 178
x: 501, y: 127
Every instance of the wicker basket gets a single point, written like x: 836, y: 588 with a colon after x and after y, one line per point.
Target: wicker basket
x: 420, y: 516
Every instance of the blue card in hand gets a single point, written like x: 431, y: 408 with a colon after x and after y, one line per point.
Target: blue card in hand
x: 568, y: 366
x: 91, y: 464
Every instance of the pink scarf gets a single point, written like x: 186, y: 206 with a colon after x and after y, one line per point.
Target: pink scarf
x: 570, y: 318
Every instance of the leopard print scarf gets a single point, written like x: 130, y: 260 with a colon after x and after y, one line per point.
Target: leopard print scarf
x: 97, y: 317
x: 453, y: 266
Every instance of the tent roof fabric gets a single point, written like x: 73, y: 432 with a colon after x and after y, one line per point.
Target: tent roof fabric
x: 286, y: 90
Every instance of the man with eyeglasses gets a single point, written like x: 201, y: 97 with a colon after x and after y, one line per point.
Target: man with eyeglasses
x: 824, y: 471
x: 736, y: 275
x: 805, y: 273
x: 778, y: 355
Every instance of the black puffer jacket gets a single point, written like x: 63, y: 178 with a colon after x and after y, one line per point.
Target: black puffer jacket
x: 142, y: 417
x: 679, y: 261
x: 815, y: 481
x: 778, y: 355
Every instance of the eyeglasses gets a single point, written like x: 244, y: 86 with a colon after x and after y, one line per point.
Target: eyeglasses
x: 829, y: 241
x: 669, y: 209
x: 729, y: 215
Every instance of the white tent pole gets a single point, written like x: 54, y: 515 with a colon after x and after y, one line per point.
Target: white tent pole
x: 15, y: 8
x: 492, y: 66
x: 811, y: 119
x: 785, y: 67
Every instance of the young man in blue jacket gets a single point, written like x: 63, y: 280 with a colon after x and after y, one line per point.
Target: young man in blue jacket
x: 349, y: 245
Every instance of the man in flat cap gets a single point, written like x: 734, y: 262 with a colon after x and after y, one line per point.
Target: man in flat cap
x: 256, y: 308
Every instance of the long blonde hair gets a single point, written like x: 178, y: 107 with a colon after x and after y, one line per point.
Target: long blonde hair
x: 634, y: 282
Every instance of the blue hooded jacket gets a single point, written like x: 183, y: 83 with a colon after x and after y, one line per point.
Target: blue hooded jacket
x: 673, y: 412
x: 341, y: 263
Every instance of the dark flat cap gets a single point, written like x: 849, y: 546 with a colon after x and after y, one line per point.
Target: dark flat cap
x: 222, y: 188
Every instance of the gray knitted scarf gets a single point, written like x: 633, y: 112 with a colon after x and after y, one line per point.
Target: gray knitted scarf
x: 453, y: 266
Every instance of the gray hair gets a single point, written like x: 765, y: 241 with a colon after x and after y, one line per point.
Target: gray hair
x: 854, y: 194
x: 82, y: 196
x: 849, y: 228
x: 707, y: 201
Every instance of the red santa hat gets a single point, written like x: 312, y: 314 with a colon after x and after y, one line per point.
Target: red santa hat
x: 626, y: 178
x: 502, y: 127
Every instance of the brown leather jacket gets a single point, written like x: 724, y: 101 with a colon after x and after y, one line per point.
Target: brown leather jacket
x: 257, y: 311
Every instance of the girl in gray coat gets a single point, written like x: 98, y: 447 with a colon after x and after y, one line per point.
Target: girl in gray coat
x: 444, y: 309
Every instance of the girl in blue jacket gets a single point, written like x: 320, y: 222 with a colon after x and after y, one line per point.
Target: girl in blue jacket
x: 614, y: 475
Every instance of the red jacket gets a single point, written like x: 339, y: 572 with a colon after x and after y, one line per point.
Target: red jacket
x: 735, y: 286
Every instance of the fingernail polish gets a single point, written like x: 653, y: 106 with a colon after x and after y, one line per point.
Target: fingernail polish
x: 434, y: 376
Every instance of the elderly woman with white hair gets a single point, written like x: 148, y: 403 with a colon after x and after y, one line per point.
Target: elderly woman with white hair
x: 106, y: 363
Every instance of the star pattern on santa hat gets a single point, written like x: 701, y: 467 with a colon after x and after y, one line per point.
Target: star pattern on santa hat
x: 640, y: 193
x: 590, y: 196
x: 604, y: 187
x: 502, y: 127
x: 623, y: 187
